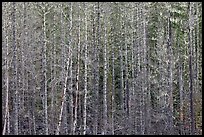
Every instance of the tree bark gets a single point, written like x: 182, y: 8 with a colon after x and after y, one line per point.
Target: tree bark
x: 64, y: 96
x: 113, y: 91
x: 181, y: 95
x: 77, y: 76
x: 85, y: 75
x: 190, y: 69
x: 45, y: 71
x: 170, y: 82
x: 71, y: 90
x: 6, y: 117
x: 105, y: 88
x: 96, y: 67
x: 15, y: 69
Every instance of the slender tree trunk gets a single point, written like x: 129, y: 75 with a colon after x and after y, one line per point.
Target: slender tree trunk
x: 26, y: 99
x: 197, y: 46
x: 113, y: 91
x: 85, y: 74
x: 136, y: 107
x: 29, y: 122
x: 77, y: 76
x: 170, y: 83
x: 96, y: 68
x: 34, y: 111
x: 94, y: 78
x: 24, y: 43
x: 63, y: 97
x: 146, y: 78
x: 142, y: 68
x: 126, y: 100
x: 63, y: 65
x: 126, y: 90
x: 33, y: 79
x: 6, y: 118
x: 191, y: 71
x: 197, y: 89
x: 121, y: 78
x: 181, y: 95
x: 53, y: 77
x: 71, y: 90
x: 131, y: 107
x: 8, y: 123
x: 44, y: 71
x: 62, y: 34
x: 105, y: 88
x: 15, y: 69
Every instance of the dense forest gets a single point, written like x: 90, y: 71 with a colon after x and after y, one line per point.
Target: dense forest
x: 110, y: 68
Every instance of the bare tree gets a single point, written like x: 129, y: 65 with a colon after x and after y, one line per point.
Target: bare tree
x: 70, y: 87
x: 85, y: 73
x: 96, y: 31
x: 77, y: 74
x: 44, y: 70
x: 6, y: 116
x: 169, y: 52
x: 105, y: 86
x: 15, y: 66
x: 190, y: 68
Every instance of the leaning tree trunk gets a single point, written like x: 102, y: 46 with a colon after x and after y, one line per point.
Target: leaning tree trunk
x: 64, y: 96
x: 6, y: 117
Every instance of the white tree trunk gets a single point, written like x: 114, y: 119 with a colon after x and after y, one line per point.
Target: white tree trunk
x: 105, y: 86
x: 85, y: 74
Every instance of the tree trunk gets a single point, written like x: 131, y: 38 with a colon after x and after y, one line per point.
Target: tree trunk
x: 77, y: 76
x: 191, y: 71
x: 170, y: 82
x: 113, y: 91
x: 105, y: 88
x: 85, y: 75
x: 53, y: 77
x: 143, y: 69
x: 64, y: 96
x: 146, y: 77
x: 15, y: 70
x: 121, y: 78
x: 6, y: 117
x: 71, y: 90
x: 181, y: 95
x: 45, y: 71
x: 96, y: 68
